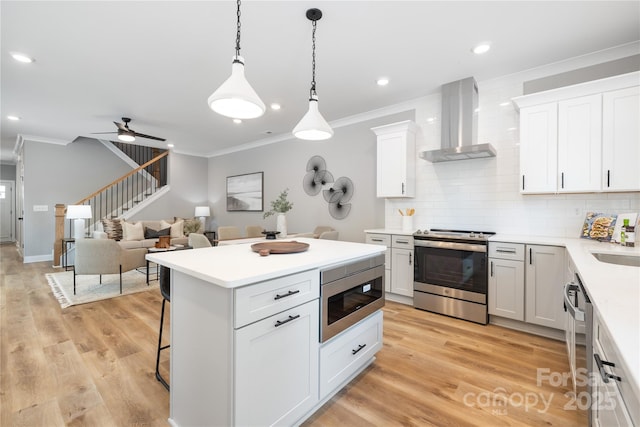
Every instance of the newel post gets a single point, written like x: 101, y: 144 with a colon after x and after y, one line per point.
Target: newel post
x: 59, y: 233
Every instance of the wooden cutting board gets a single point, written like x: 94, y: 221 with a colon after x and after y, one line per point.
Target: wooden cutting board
x: 266, y: 248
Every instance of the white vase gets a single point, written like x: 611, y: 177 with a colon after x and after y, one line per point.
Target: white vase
x: 281, y: 225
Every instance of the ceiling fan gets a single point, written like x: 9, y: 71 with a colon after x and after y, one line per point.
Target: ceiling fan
x: 126, y: 134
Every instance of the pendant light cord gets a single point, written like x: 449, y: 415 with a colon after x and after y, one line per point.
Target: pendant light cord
x: 238, y: 30
x: 312, y: 92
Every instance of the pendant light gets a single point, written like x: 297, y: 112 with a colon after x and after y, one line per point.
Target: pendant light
x: 236, y: 98
x: 313, y: 126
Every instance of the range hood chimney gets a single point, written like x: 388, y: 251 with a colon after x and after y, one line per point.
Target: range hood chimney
x: 459, y: 125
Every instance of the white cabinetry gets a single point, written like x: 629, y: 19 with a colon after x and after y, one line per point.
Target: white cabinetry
x: 544, y: 274
x: 613, y: 400
x: 581, y: 138
x: 402, y: 265
x: 396, y: 153
x: 526, y: 283
x: 620, y: 136
x: 344, y: 355
x: 506, y: 280
x: 398, y: 261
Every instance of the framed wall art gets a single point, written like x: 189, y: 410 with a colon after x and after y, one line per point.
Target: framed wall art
x: 244, y: 192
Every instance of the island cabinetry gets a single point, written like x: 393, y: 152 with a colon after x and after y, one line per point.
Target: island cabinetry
x: 344, y: 355
x: 506, y: 280
x: 396, y: 151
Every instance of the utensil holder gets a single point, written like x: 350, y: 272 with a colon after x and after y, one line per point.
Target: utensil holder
x: 407, y: 223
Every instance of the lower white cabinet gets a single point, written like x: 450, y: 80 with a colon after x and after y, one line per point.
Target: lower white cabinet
x: 345, y: 354
x: 278, y: 354
x: 526, y: 283
x: 544, y: 279
x: 613, y: 401
x: 398, y: 261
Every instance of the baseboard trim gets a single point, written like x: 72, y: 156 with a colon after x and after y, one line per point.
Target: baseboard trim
x: 399, y: 298
x: 37, y: 258
x: 543, y: 331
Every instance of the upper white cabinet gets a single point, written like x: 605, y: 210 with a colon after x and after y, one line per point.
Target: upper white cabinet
x: 581, y: 138
x: 396, y: 159
x: 621, y: 140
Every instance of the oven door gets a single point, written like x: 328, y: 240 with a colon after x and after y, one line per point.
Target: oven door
x: 450, y: 265
x: 346, y: 301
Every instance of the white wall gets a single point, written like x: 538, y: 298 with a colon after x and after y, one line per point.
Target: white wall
x: 483, y: 194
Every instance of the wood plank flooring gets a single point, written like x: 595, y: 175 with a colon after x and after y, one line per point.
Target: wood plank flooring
x: 93, y: 365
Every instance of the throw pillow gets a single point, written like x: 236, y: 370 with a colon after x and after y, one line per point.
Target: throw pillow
x: 113, y: 228
x: 133, y: 231
x: 150, y: 233
x: 176, y: 228
x: 191, y: 225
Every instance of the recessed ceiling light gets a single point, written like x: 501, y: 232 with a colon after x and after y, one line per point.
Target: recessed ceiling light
x: 275, y: 106
x: 21, y: 57
x: 431, y: 119
x: 505, y: 104
x: 13, y: 118
x: 237, y: 121
x: 382, y: 81
x: 481, y: 48
x: 170, y: 145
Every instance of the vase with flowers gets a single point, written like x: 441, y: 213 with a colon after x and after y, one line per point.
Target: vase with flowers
x: 280, y: 206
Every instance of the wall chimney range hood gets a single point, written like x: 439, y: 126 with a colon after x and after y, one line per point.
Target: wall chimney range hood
x: 459, y: 125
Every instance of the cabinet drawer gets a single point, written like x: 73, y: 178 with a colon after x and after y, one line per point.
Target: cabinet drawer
x: 402, y: 242
x: 514, y: 251
x: 345, y: 354
x: 256, y: 302
x: 379, y: 239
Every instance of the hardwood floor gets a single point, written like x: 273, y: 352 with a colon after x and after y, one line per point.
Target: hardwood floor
x: 93, y: 365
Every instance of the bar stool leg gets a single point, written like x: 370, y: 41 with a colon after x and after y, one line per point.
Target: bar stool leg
x: 158, y: 376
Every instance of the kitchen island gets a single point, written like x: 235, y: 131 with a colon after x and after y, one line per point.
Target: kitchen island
x: 245, y: 346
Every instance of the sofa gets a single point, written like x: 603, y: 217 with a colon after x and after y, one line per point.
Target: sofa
x: 146, y: 233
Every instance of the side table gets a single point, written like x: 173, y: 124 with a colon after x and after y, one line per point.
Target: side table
x: 67, y: 243
x: 154, y: 249
x: 212, y: 236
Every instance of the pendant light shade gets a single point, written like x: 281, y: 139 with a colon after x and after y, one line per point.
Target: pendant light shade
x: 313, y: 126
x: 126, y: 136
x: 236, y: 98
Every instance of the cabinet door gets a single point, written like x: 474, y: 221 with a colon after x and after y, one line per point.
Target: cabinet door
x: 620, y: 136
x: 539, y: 148
x: 506, y: 288
x: 545, y: 266
x: 580, y: 144
x: 396, y: 165
x: 276, y: 372
x: 402, y: 272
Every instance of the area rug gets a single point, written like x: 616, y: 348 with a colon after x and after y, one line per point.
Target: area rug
x: 89, y: 288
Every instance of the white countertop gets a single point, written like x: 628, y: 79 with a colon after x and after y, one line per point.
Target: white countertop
x: 614, y: 291
x: 397, y: 231
x: 237, y: 265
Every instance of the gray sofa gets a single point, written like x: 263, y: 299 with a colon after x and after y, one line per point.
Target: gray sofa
x: 146, y: 238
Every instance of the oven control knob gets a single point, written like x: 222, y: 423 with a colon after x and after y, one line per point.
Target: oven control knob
x: 418, y: 231
x: 472, y: 234
x: 481, y: 235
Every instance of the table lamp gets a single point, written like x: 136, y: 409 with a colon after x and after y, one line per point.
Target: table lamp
x: 79, y: 213
x: 203, y: 212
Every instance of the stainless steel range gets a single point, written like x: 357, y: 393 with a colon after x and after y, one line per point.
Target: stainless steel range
x: 450, y: 273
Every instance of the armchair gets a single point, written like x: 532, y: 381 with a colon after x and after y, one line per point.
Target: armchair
x: 105, y: 256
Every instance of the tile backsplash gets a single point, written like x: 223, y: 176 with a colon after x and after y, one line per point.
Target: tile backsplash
x: 483, y: 194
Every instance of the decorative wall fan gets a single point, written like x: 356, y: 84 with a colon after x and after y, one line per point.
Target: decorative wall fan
x: 337, y: 196
x: 126, y: 134
x: 317, y: 176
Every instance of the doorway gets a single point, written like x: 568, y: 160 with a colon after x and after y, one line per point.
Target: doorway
x: 7, y: 211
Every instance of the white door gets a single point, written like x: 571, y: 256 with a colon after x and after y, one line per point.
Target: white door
x: 7, y: 211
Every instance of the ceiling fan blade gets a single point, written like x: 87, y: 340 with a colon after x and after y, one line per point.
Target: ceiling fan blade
x: 101, y: 133
x: 142, y: 135
x: 121, y: 126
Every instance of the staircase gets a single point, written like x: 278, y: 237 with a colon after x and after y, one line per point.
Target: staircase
x: 121, y: 197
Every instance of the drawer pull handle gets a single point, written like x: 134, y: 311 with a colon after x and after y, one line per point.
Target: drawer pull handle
x: 376, y: 240
x: 288, y: 294
x: 604, y: 374
x: 360, y: 347
x: 282, y: 322
x: 506, y: 251
x: 404, y: 242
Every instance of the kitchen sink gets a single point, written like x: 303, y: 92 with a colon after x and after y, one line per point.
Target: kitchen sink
x: 630, y: 260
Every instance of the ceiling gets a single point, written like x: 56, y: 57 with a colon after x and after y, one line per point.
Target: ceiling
x: 158, y: 61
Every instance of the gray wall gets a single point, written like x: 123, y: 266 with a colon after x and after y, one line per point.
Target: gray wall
x: 8, y: 172
x: 351, y: 153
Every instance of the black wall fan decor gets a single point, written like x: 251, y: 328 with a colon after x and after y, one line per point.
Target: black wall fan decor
x: 337, y: 196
